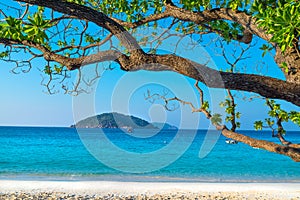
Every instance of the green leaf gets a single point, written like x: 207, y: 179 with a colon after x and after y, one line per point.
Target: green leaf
x: 58, y: 69
x: 47, y: 70
x: 283, y: 115
x: 222, y: 104
x: 295, y: 117
x: 283, y: 47
x: 4, y: 54
x: 272, y: 113
x: 284, y: 67
x: 229, y: 110
x: 269, y: 122
x: 258, y: 125
x: 228, y: 118
x: 216, y: 119
x: 205, y: 105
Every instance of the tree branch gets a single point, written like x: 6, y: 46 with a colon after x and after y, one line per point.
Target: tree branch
x: 280, y: 129
x: 206, y: 16
x: 143, y: 21
x: 138, y: 60
x: 291, y: 152
x: 241, y: 18
x: 232, y: 114
x: 99, y: 18
x: 265, y: 86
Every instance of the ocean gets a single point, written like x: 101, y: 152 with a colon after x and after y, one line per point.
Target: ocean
x: 144, y: 155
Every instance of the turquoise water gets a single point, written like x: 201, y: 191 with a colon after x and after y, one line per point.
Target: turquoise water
x: 59, y: 153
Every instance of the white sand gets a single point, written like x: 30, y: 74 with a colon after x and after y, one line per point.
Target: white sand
x: 286, y: 190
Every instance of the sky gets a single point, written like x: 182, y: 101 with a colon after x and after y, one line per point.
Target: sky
x: 24, y: 102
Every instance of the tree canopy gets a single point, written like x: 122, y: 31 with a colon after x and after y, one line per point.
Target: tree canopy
x: 70, y: 34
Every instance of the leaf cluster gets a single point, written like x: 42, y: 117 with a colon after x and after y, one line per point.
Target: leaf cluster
x: 280, y: 18
x: 133, y: 10
x: 32, y: 30
x: 199, y: 5
x: 278, y: 114
x: 205, y: 105
x: 50, y: 70
x: 216, y: 119
x: 231, y: 111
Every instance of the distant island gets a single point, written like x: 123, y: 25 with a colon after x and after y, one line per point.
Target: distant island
x: 117, y: 120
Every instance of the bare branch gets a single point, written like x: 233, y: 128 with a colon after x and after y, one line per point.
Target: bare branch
x: 289, y: 151
x: 25, y: 12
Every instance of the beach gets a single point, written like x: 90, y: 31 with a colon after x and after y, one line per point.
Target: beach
x: 24, y: 189
x: 52, y: 163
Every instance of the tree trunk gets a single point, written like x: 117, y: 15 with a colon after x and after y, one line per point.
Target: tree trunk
x: 292, y: 59
x: 287, y: 143
x: 292, y: 152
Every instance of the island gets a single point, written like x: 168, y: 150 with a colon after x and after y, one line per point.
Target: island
x: 118, y: 120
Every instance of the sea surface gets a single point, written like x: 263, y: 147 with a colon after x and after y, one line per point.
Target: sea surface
x: 146, y: 155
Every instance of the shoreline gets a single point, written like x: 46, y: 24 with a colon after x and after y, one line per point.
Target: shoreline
x: 160, y: 190
x: 140, y: 179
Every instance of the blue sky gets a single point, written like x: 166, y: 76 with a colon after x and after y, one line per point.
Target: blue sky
x: 23, y: 102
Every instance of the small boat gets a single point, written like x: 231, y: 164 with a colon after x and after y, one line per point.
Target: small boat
x: 129, y: 130
x: 228, y: 141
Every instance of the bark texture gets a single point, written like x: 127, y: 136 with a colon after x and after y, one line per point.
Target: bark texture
x: 291, y: 152
x: 292, y: 58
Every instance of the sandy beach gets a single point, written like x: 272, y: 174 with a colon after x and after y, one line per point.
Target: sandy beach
x: 18, y: 189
